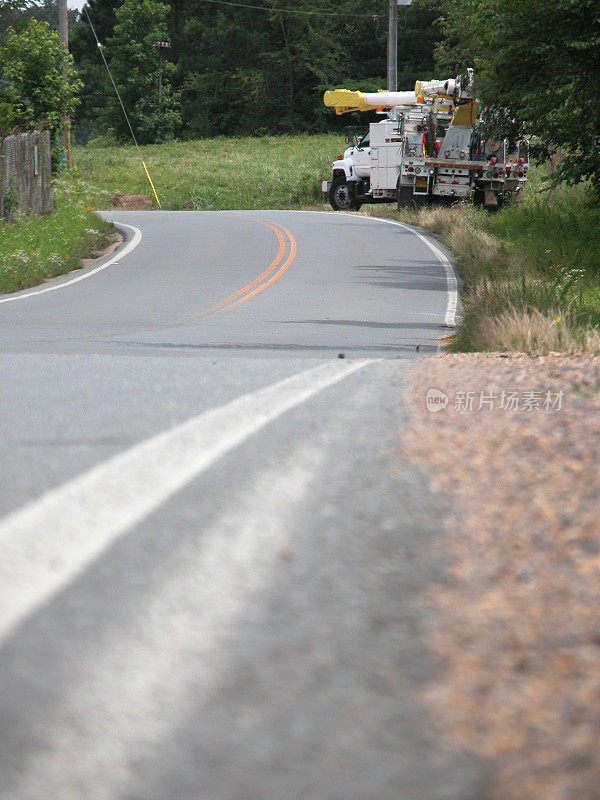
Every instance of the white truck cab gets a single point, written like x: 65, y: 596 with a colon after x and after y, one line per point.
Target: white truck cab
x: 351, y: 167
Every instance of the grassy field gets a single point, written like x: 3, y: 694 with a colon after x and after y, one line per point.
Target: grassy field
x: 212, y: 174
x: 532, y: 271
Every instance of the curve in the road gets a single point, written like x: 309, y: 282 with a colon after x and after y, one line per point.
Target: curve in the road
x: 248, y: 291
x: 354, y: 287
x: 121, y: 252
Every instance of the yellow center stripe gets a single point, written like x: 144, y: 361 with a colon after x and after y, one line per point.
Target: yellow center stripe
x: 256, y: 287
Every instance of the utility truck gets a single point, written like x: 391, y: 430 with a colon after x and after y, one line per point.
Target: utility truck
x: 429, y: 145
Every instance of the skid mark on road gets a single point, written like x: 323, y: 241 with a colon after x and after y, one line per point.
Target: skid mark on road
x: 48, y: 542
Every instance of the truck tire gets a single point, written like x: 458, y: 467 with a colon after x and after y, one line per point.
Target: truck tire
x: 341, y: 196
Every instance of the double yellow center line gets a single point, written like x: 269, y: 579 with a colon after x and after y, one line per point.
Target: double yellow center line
x: 287, y: 244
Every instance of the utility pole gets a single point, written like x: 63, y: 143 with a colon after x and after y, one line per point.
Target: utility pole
x: 63, y: 27
x: 392, y: 54
x: 162, y: 47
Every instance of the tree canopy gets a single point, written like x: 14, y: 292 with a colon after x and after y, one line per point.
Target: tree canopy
x: 241, y: 70
x: 537, y: 68
x: 33, y: 89
x: 141, y: 73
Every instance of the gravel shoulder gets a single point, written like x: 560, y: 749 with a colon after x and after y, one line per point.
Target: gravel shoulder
x: 518, y: 625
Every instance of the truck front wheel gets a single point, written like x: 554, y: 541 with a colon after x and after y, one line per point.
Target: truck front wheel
x: 341, y: 197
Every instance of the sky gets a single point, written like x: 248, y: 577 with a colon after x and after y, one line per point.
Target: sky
x: 76, y: 4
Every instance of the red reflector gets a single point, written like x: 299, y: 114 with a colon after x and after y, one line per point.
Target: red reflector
x: 340, y: 158
x: 521, y: 174
x: 411, y: 169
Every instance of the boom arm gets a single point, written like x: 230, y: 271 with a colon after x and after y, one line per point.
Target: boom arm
x: 344, y: 100
x: 455, y: 94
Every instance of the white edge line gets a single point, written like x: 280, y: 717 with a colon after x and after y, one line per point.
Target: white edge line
x: 119, y: 254
x: 451, y: 283
x: 47, y: 542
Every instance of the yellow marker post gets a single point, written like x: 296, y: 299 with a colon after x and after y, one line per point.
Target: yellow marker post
x: 151, y: 184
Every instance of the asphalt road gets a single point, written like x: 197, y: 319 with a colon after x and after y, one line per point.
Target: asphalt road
x: 213, y: 554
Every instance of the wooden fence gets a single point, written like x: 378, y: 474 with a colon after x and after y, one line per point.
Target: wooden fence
x: 25, y: 174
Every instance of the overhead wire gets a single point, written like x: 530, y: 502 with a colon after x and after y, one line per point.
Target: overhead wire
x: 302, y: 12
x: 125, y: 114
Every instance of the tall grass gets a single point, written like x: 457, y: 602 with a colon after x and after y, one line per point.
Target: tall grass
x: 212, y: 174
x: 532, y: 271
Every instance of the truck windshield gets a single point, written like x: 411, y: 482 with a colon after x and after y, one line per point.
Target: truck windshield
x: 364, y: 142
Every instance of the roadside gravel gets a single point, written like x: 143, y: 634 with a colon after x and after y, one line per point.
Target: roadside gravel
x: 518, y: 626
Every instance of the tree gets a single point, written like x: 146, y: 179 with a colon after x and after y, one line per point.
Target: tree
x: 537, y: 71
x: 47, y: 11
x: 248, y: 71
x: 34, y: 90
x: 242, y: 70
x: 97, y: 89
x: 9, y: 12
x: 136, y: 65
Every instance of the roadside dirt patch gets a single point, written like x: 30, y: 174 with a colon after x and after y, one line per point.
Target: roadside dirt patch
x: 131, y: 202
x: 115, y: 240
x: 516, y: 443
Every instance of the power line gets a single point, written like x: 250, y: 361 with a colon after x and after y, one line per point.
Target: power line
x: 122, y: 104
x: 111, y: 77
x: 293, y: 10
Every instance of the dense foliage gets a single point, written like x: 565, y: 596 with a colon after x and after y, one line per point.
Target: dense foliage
x: 34, y: 90
x: 10, y: 11
x: 282, y: 63
x: 16, y: 14
x: 538, y: 71
x: 141, y: 74
x: 241, y: 70
x: 97, y: 89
